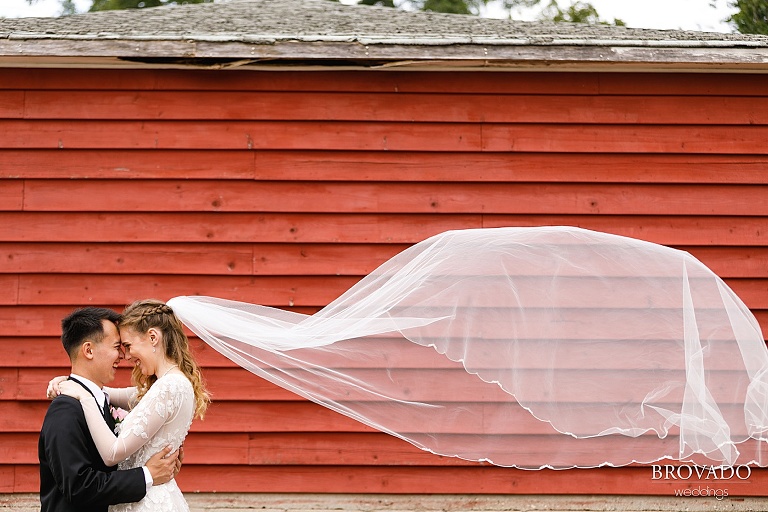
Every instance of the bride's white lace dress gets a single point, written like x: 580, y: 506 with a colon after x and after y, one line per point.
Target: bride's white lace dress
x: 171, y: 399
x: 161, y: 418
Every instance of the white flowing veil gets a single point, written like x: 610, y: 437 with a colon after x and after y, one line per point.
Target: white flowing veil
x: 551, y: 347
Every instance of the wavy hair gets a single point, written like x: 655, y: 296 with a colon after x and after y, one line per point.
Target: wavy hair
x: 142, y: 315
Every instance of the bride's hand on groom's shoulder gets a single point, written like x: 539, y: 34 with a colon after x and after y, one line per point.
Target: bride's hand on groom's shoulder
x: 72, y: 389
x: 53, y: 387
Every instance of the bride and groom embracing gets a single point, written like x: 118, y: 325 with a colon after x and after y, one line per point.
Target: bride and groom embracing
x: 89, y: 464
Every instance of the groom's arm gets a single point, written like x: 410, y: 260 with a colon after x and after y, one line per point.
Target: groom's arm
x: 73, y: 467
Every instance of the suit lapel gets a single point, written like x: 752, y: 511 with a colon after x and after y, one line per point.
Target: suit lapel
x: 105, y: 411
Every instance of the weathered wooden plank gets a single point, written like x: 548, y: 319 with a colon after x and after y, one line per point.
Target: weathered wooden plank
x: 42, y: 289
x: 299, y: 449
x: 299, y: 417
x: 9, y: 483
x: 9, y: 283
x: 33, y: 321
x: 275, y: 259
x: 246, y: 135
x: 27, y: 416
x: 337, y: 197
x: 11, y: 104
x: 374, y: 449
x: 313, y: 449
x: 384, y: 166
x: 226, y: 384
x: 41, y: 321
x: 473, y: 480
x: 357, y: 228
x: 348, y: 81
x: 396, y: 106
x: 306, y: 417
x: 185, y: 259
x: 18, y: 448
x: 377, y: 449
x: 237, y: 227
x: 43, y: 357
x: 358, y: 136
x: 691, y: 84
x: 732, y: 262
x: 511, y: 167
x: 47, y: 354
x: 715, y: 231
x: 37, y: 321
x: 740, y: 84
x: 9, y: 384
x: 111, y: 163
x: 11, y: 195
x: 118, y: 289
x: 623, y: 139
x: 199, y: 448
x: 460, y: 480
x: 417, y: 384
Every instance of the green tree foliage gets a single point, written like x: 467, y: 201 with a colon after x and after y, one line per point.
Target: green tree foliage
x: 68, y: 6
x: 449, y: 6
x: 582, y: 12
x: 110, y: 5
x: 550, y: 10
x: 382, y: 3
x: 576, y: 12
x: 752, y: 17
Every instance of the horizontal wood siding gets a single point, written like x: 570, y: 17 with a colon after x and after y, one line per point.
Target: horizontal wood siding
x: 286, y: 188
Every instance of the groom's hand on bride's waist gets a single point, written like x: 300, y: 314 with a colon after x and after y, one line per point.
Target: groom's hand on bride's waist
x: 163, y: 466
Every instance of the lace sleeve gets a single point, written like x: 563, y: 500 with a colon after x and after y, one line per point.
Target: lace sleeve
x: 144, y: 420
x: 121, y: 397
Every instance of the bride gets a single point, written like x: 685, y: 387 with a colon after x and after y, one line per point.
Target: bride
x: 169, y: 393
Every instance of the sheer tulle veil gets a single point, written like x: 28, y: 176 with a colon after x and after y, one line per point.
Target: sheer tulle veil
x: 548, y: 347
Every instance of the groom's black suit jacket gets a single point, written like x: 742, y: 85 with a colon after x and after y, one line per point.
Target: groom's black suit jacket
x: 73, y: 477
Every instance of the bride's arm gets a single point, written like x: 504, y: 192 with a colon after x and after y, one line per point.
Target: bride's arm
x: 121, y: 397
x: 137, y: 428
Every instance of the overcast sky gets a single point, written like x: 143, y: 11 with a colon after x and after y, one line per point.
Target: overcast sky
x: 662, y: 14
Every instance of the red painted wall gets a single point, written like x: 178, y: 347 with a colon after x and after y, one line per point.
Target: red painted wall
x: 285, y: 188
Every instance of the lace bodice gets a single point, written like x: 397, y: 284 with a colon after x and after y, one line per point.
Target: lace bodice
x: 161, y: 418
x: 172, y: 398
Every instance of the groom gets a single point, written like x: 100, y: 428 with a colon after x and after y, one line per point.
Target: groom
x: 73, y: 477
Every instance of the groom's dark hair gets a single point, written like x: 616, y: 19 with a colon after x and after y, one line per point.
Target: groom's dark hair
x: 84, y: 324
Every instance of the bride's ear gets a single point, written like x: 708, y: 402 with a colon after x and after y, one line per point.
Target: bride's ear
x: 154, y: 336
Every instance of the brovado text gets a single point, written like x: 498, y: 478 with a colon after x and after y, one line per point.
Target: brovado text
x: 688, y: 471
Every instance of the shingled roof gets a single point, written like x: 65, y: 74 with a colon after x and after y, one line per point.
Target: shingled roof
x: 319, y: 33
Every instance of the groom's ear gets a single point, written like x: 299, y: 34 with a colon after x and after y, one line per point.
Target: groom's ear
x: 86, y: 349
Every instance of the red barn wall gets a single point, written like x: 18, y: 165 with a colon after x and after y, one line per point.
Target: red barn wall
x: 285, y: 188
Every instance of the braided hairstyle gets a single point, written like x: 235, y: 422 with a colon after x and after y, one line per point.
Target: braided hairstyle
x: 142, y: 315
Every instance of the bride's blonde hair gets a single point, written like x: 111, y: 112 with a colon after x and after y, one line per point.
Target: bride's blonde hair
x: 151, y: 313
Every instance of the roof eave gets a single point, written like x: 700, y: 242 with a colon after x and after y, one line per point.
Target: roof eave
x: 349, y: 53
